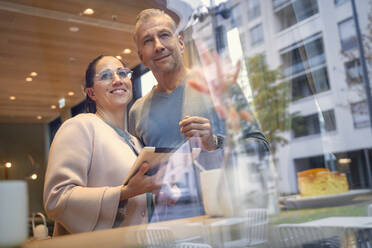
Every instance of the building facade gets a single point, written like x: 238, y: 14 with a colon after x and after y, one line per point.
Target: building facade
x: 314, y: 45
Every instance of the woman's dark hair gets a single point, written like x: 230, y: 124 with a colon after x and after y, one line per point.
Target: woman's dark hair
x: 90, y: 105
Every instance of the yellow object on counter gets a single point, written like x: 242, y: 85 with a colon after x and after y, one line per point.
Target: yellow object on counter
x: 321, y: 181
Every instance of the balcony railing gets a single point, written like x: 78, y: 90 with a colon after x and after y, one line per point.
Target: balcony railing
x: 306, y: 64
x: 278, y: 3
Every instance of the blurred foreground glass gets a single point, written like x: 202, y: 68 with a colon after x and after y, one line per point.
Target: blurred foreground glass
x: 247, y: 179
x: 13, y: 212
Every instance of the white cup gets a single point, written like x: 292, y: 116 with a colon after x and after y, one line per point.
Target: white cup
x: 216, y: 196
x: 13, y: 212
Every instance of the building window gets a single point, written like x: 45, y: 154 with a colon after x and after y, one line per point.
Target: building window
x: 310, y: 84
x: 339, y: 2
x: 329, y: 120
x: 236, y: 18
x: 254, y: 9
x: 354, y: 74
x: 294, y: 11
x: 347, y: 34
x: 360, y: 114
x: 309, y: 163
x: 257, y: 36
x: 312, y: 124
x: 221, y: 38
x: 303, y: 55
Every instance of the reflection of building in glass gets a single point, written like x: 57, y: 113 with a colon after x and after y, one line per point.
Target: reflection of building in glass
x: 307, y: 40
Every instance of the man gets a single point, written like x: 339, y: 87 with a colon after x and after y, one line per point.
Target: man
x: 160, y: 49
x: 173, y: 112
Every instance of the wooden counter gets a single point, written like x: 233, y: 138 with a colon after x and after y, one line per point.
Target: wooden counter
x: 178, y: 230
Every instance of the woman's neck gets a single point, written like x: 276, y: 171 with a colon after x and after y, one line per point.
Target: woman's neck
x: 116, y: 118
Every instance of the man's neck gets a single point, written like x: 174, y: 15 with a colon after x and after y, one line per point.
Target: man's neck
x: 169, y: 81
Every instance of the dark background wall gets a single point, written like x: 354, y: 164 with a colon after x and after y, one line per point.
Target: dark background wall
x: 17, y: 143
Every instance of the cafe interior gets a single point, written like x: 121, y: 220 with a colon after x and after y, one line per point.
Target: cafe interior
x: 304, y: 69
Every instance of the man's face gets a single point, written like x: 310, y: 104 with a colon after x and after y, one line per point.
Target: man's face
x: 158, y: 47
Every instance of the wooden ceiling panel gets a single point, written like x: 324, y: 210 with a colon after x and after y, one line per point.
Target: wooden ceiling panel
x: 35, y: 36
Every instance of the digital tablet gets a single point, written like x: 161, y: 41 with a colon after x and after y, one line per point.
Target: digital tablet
x: 153, y: 156
x: 156, y: 156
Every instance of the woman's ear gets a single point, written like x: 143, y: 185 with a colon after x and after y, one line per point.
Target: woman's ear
x: 90, y: 93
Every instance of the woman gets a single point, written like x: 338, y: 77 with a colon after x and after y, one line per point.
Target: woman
x: 90, y: 156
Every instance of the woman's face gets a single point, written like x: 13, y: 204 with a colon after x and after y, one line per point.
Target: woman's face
x: 112, y: 88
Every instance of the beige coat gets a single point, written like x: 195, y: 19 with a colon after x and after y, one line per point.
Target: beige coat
x: 88, y: 161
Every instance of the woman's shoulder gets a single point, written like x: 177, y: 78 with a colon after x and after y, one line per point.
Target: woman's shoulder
x: 82, y: 120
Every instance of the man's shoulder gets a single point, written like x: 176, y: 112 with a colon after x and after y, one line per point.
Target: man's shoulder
x: 140, y: 102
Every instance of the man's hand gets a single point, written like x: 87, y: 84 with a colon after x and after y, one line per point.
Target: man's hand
x: 198, y: 128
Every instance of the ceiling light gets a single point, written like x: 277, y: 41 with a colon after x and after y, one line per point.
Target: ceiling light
x: 12, y: 98
x: 28, y: 79
x: 74, y: 29
x: 88, y: 11
x: 118, y: 57
x: 33, y: 176
x: 127, y: 51
x: 53, y: 106
x: 8, y: 164
x: 39, y: 117
x: 344, y: 160
x: 33, y: 74
x: 70, y: 93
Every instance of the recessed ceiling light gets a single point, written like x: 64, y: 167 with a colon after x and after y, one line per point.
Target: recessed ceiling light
x: 73, y: 29
x: 70, y: 93
x: 88, y: 11
x: 12, y: 98
x: 118, y: 57
x: 33, y: 74
x: 53, y: 106
x: 8, y: 164
x: 33, y: 176
x: 344, y: 160
x: 39, y: 117
x: 127, y: 51
x: 28, y: 79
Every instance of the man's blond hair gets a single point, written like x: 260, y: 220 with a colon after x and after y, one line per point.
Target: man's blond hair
x: 146, y: 14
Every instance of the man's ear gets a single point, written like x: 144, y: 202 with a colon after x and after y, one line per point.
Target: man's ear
x: 141, y: 58
x: 90, y: 93
x: 181, y: 43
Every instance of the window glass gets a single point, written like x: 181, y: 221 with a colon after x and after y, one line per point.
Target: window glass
x: 279, y: 152
x: 347, y: 34
x: 303, y: 55
x: 289, y: 13
x: 257, y: 36
x: 309, y: 84
x: 339, y: 2
x: 353, y: 71
x: 254, y: 9
x: 312, y: 124
x: 360, y: 114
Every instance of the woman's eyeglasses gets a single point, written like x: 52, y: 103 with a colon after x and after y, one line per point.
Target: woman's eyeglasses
x: 107, y: 76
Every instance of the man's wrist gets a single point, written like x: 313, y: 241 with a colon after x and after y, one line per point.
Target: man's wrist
x: 219, y: 141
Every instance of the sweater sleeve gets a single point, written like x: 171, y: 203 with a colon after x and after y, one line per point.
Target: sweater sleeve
x: 67, y: 199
